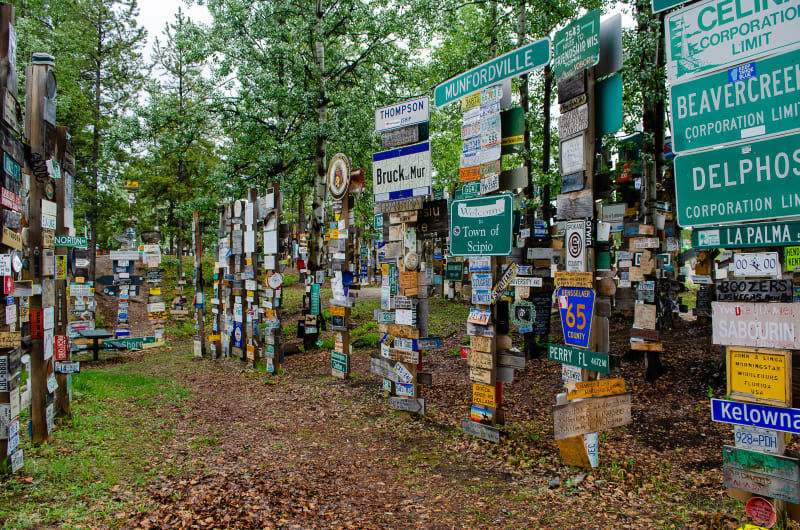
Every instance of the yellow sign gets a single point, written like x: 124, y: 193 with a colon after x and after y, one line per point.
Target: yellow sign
x: 483, y: 395
x: 600, y: 387
x: 132, y: 184
x: 760, y: 375
x: 574, y: 279
x: 213, y: 338
x: 269, y: 313
x: 155, y: 291
x: 338, y: 311
x: 792, y: 261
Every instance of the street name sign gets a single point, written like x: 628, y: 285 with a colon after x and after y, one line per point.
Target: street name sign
x: 402, y: 173
x: 512, y: 64
x: 589, y: 360
x: 751, y: 182
x: 72, y: 241
x: 754, y: 99
x: 577, y: 46
x: 402, y: 114
x: 481, y: 226
x: 662, y: 5
x: 750, y: 235
x: 711, y: 35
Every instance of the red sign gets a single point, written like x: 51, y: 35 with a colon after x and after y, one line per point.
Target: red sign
x: 761, y: 511
x: 8, y: 285
x: 465, y: 353
x: 11, y: 200
x: 61, y: 351
x: 37, y: 324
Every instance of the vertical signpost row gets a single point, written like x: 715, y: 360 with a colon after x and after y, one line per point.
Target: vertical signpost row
x: 268, y: 212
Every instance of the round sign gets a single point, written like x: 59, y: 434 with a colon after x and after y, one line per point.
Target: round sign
x: 523, y: 313
x: 761, y: 511
x: 339, y: 176
x: 237, y: 334
x: 16, y: 261
x: 50, y: 190
x: 275, y: 280
x: 575, y: 245
x: 411, y: 261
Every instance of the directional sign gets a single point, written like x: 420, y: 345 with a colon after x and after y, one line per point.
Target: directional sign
x: 339, y: 362
x: 589, y: 360
x: 710, y: 35
x: 408, y: 404
x: 750, y: 182
x: 402, y: 173
x: 512, y: 64
x: 576, y: 306
x: 577, y: 46
x: 737, y: 104
x: 401, y: 114
x: 481, y: 226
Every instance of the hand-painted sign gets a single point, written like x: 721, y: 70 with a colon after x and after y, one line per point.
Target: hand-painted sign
x: 402, y: 173
x: 591, y: 415
x: 577, y: 46
x: 731, y: 106
x: 739, y: 183
x: 710, y: 35
x: 754, y: 290
x: 596, y: 388
x: 483, y: 395
x: 777, y: 466
x: 767, y: 325
x: 576, y: 307
x: 481, y: 226
x: 751, y: 235
x: 514, y: 63
x: 761, y: 484
x: 408, y: 404
x: 589, y: 360
x: 480, y: 430
x: 402, y: 114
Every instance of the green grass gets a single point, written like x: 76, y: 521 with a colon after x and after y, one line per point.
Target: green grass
x: 109, y: 446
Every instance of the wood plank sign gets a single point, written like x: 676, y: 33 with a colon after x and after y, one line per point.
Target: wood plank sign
x: 759, y: 375
x: 479, y: 430
x: 761, y: 484
x: 597, y: 388
x: 591, y: 415
x: 773, y: 325
x: 483, y: 395
x: 775, y: 465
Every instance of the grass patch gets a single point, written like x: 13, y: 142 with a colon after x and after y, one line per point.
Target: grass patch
x: 111, y: 445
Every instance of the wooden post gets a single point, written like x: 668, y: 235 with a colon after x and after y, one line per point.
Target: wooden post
x: 35, y: 79
x: 251, y: 265
x: 342, y: 342
x: 199, y: 283
x: 63, y: 146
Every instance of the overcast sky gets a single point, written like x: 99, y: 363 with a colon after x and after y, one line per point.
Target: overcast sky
x: 154, y: 15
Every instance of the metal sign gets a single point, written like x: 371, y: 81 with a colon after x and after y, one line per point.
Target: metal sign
x: 589, y: 360
x: 662, y: 5
x: 512, y: 64
x: 576, y: 246
x: 751, y: 235
x: 756, y: 264
x: 402, y: 173
x: 710, y: 35
x: 736, y: 104
x: 401, y: 114
x: 576, y: 307
x: 762, y: 416
x: 759, y: 375
x: 433, y: 220
x: 481, y: 226
x: 765, y: 325
x: 577, y: 46
x: 738, y: 184
x: 338, y: 176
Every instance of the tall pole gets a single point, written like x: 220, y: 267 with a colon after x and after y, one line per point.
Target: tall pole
x: 199, y: 284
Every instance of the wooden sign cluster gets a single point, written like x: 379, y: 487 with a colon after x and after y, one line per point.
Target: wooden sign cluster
x: 248, y: 282
x: 406, y: 271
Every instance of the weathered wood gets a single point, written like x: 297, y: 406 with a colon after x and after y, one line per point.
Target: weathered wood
x: 480, y: 430
x: 768, y: 464
x: 597, y: 388
x: 591, y: 415
x: 761, y: 484
x: 646, y: 346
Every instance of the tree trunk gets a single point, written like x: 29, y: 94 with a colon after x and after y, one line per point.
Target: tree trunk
x: 548, y: 90
x: 93, y: 211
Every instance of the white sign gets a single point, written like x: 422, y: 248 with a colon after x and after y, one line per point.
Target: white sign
x: 573, y: 122
x: 403, y: 373
x: 575, y: 246
x: 712, y: 35
x: 402, y: 114
x: 756, y: 265
x: 761, y: 325
x: 526, y: 281
x: 490, y: 183
x: 573, y: 156
x: 758, y: 439
x: 402, y: 173
x: 118, y: 255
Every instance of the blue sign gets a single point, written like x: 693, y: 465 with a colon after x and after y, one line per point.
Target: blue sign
x: 764, y: 416
x: 742, y: 72
x: 576, y: 306
x: 539, y: 228
x: 238, y: 335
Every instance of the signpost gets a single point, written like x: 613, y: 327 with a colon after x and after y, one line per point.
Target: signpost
x: 737, y: 104
x: 707, y: 36
x: 512, y: 64
x: 740, y: 183
x: 481, y: 226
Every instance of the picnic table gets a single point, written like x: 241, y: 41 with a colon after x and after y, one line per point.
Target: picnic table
x: 95, y: 335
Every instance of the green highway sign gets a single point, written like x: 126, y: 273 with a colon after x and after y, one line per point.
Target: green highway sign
x: 339, y: 361
x: 711, y: 35
x: 72, y: 241
x: 512, y: 64
x: 589, y: 360
x: 577, y: 46
x: 11, y: 167
x: 754, y: 99
x: 752, y: 235
x: 481, y: 226
x: 743, y: 183
x: 471, y: 189
x: 663, y: 5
